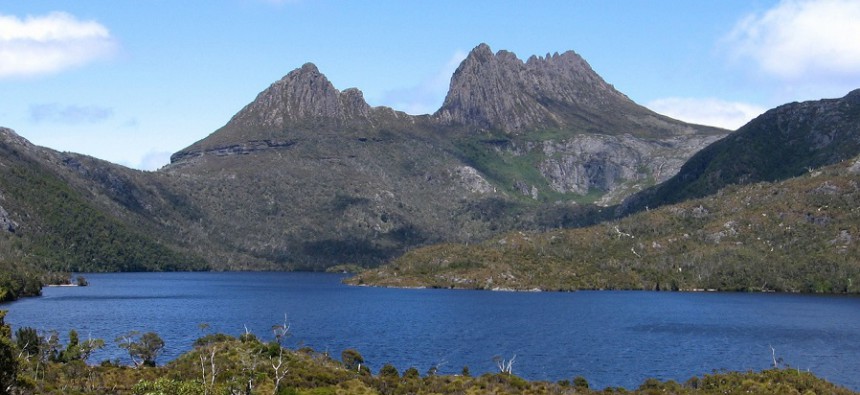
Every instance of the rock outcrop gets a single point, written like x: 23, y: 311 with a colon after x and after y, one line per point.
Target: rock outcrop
x: 6, y: 223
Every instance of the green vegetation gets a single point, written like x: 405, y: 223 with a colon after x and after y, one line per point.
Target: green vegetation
x: 17, y: 281
x: 221, y: 364
x: 67, y: 233
x: 798, y: 235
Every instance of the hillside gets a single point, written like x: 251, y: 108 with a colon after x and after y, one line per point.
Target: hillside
x: 66, y: 212
x: 798, y: 235
x: 784, y: 142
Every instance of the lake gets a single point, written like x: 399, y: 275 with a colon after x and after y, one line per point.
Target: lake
x: 610, y: 338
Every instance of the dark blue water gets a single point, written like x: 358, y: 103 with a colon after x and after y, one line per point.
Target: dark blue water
x: 610, y: 338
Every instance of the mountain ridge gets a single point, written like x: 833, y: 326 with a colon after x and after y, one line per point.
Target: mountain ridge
x: 489, y: 93
x: 307, y: 176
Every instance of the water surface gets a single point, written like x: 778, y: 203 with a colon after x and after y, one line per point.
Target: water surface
x: 610, y: 338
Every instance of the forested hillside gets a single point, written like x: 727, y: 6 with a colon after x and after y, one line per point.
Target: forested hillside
x: 799, y: 235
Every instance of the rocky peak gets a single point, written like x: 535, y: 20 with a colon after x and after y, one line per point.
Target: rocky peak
x: 304, y: 95
x: 500, y: 91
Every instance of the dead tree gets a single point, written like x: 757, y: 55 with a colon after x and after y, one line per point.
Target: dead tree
x: 505, y: 366
x: 278, y: 366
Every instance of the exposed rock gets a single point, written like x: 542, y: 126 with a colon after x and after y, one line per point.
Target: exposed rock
x: 611, y: 166
x: 472, y: 180
x: 559, y: 91
x: 843, y: 238
x: 304, y: 94
x: 827, y: 189
x: 855, y: 167
x: 500, y: 91
x: 7, y: 223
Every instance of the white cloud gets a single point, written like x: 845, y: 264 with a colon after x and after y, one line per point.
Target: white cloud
x: 801, y: 39
x: 73, y: 114
x: 426, y: 97
x: 709, y: 111
x: 50, y: 43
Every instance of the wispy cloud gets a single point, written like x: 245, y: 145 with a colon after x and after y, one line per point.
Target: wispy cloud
x: 50, y: 43
x: 708, y: 111
x: 153, y: 160
x: 426, y: 97
x: 801, y: 40
x: 53, y: 112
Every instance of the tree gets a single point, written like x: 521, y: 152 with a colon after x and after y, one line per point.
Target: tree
x: 89, y: 346
x: 142, y: 349
x: 505, y: 366
x: 28, y: 340
x: 50, y: 350
x: 411, y: 373
x: 8, y: 359
x: 280, y: 369
x: 388, y: 370
x: 352, y: 359
x: 72, y: 351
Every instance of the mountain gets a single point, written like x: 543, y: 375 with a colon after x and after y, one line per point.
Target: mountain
x: 306, y: 175
x: 784, y: 142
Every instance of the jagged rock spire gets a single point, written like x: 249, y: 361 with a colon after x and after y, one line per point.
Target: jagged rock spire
x: 500, y: 91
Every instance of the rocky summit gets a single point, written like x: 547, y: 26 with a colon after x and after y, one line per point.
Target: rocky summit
x: 560, y: 91
x: 308, y: 176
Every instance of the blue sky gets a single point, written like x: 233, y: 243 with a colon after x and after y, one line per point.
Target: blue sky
x: 134, y: 81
